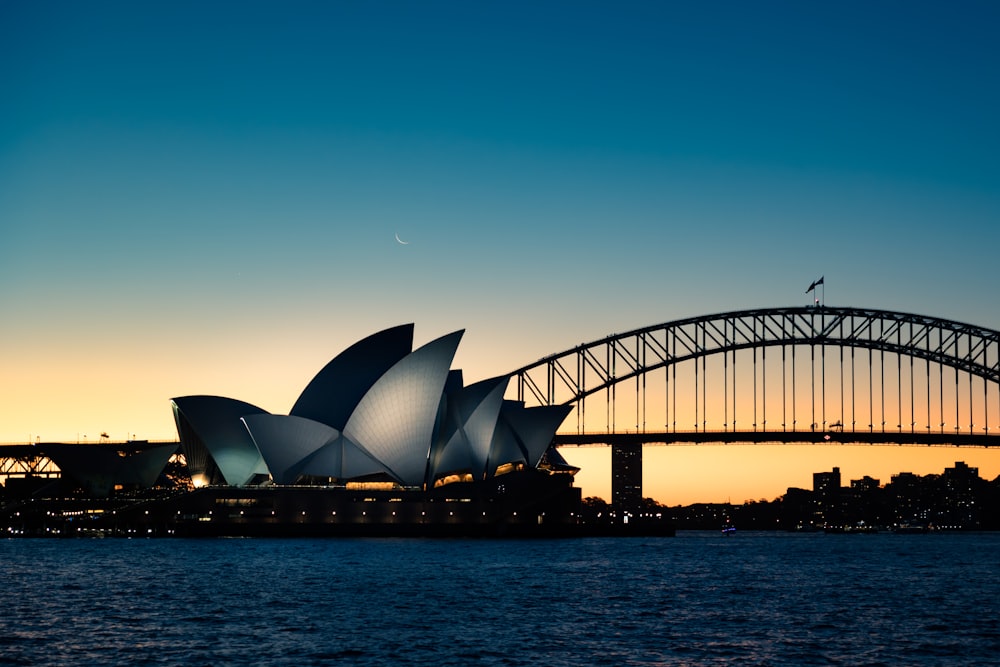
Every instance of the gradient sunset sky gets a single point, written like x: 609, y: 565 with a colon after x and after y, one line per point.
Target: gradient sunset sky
x: 204, y: 198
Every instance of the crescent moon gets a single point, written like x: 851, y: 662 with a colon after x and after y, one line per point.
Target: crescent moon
x: 401, y: 241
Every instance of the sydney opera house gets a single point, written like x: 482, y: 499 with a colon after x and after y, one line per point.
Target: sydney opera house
x: 385, y: 440
x: 379, y: 411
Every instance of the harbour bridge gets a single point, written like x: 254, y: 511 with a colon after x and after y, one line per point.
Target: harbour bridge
x: 809, y: 374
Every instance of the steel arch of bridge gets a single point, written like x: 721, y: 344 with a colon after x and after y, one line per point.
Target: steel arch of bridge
x: 563, y: 378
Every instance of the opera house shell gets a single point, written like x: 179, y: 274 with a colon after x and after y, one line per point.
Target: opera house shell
x: 382, y: 417
x: 378, y: 411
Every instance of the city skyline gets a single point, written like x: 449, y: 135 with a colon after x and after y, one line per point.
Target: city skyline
x: 219, y: 199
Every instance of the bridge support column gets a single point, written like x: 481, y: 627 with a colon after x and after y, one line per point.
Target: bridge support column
x: 626, y: 476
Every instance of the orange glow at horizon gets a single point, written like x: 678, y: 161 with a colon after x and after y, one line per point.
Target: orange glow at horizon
x: 686, y: 474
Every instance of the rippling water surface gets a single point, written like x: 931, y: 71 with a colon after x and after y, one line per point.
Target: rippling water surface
x: 697, y: 599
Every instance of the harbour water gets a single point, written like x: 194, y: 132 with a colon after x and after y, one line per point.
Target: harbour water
x: 696, y: 599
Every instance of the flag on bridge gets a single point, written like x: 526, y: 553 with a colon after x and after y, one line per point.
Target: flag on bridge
x: 814, y: 284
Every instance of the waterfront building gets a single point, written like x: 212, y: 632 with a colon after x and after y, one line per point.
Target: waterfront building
x: 379, y: 413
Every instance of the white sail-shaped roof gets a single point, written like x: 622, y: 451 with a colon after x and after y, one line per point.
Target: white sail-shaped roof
x: 394, y: 421
x: 211, y: 424
x: 450, y: 450
x: 535, y: 427
x: 523, y: 434
x: 472, y: 413
x: 335, y: 391
x: 287, y: 443
x: 504, y: 447
x: 353, y: 461
x: 482, y: 422
x: 295, y: 446
x: 454, y: 456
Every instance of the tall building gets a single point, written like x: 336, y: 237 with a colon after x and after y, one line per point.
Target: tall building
x: 958, y: 501
x: 826, y: 490
x: 826, y: 484
x: 626, y: 476
x: 908, y: 494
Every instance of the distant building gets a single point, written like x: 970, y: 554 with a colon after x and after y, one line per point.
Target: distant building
x: 865, y: 484
x: 866, y: 502
x: 961, y: 474
x: 961, y: 485
x: 798, y: 507
x: 909, y: 495
x: 626, y: 476
x: 826, y: 483
x: 826, y: 489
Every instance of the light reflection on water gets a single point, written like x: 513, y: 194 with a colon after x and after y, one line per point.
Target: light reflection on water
x: 699, y: 599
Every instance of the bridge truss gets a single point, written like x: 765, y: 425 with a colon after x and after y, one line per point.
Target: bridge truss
x: 25, y: 461
x: 783, y: 370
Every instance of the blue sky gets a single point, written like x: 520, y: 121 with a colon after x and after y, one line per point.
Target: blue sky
x: 203, y: 197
